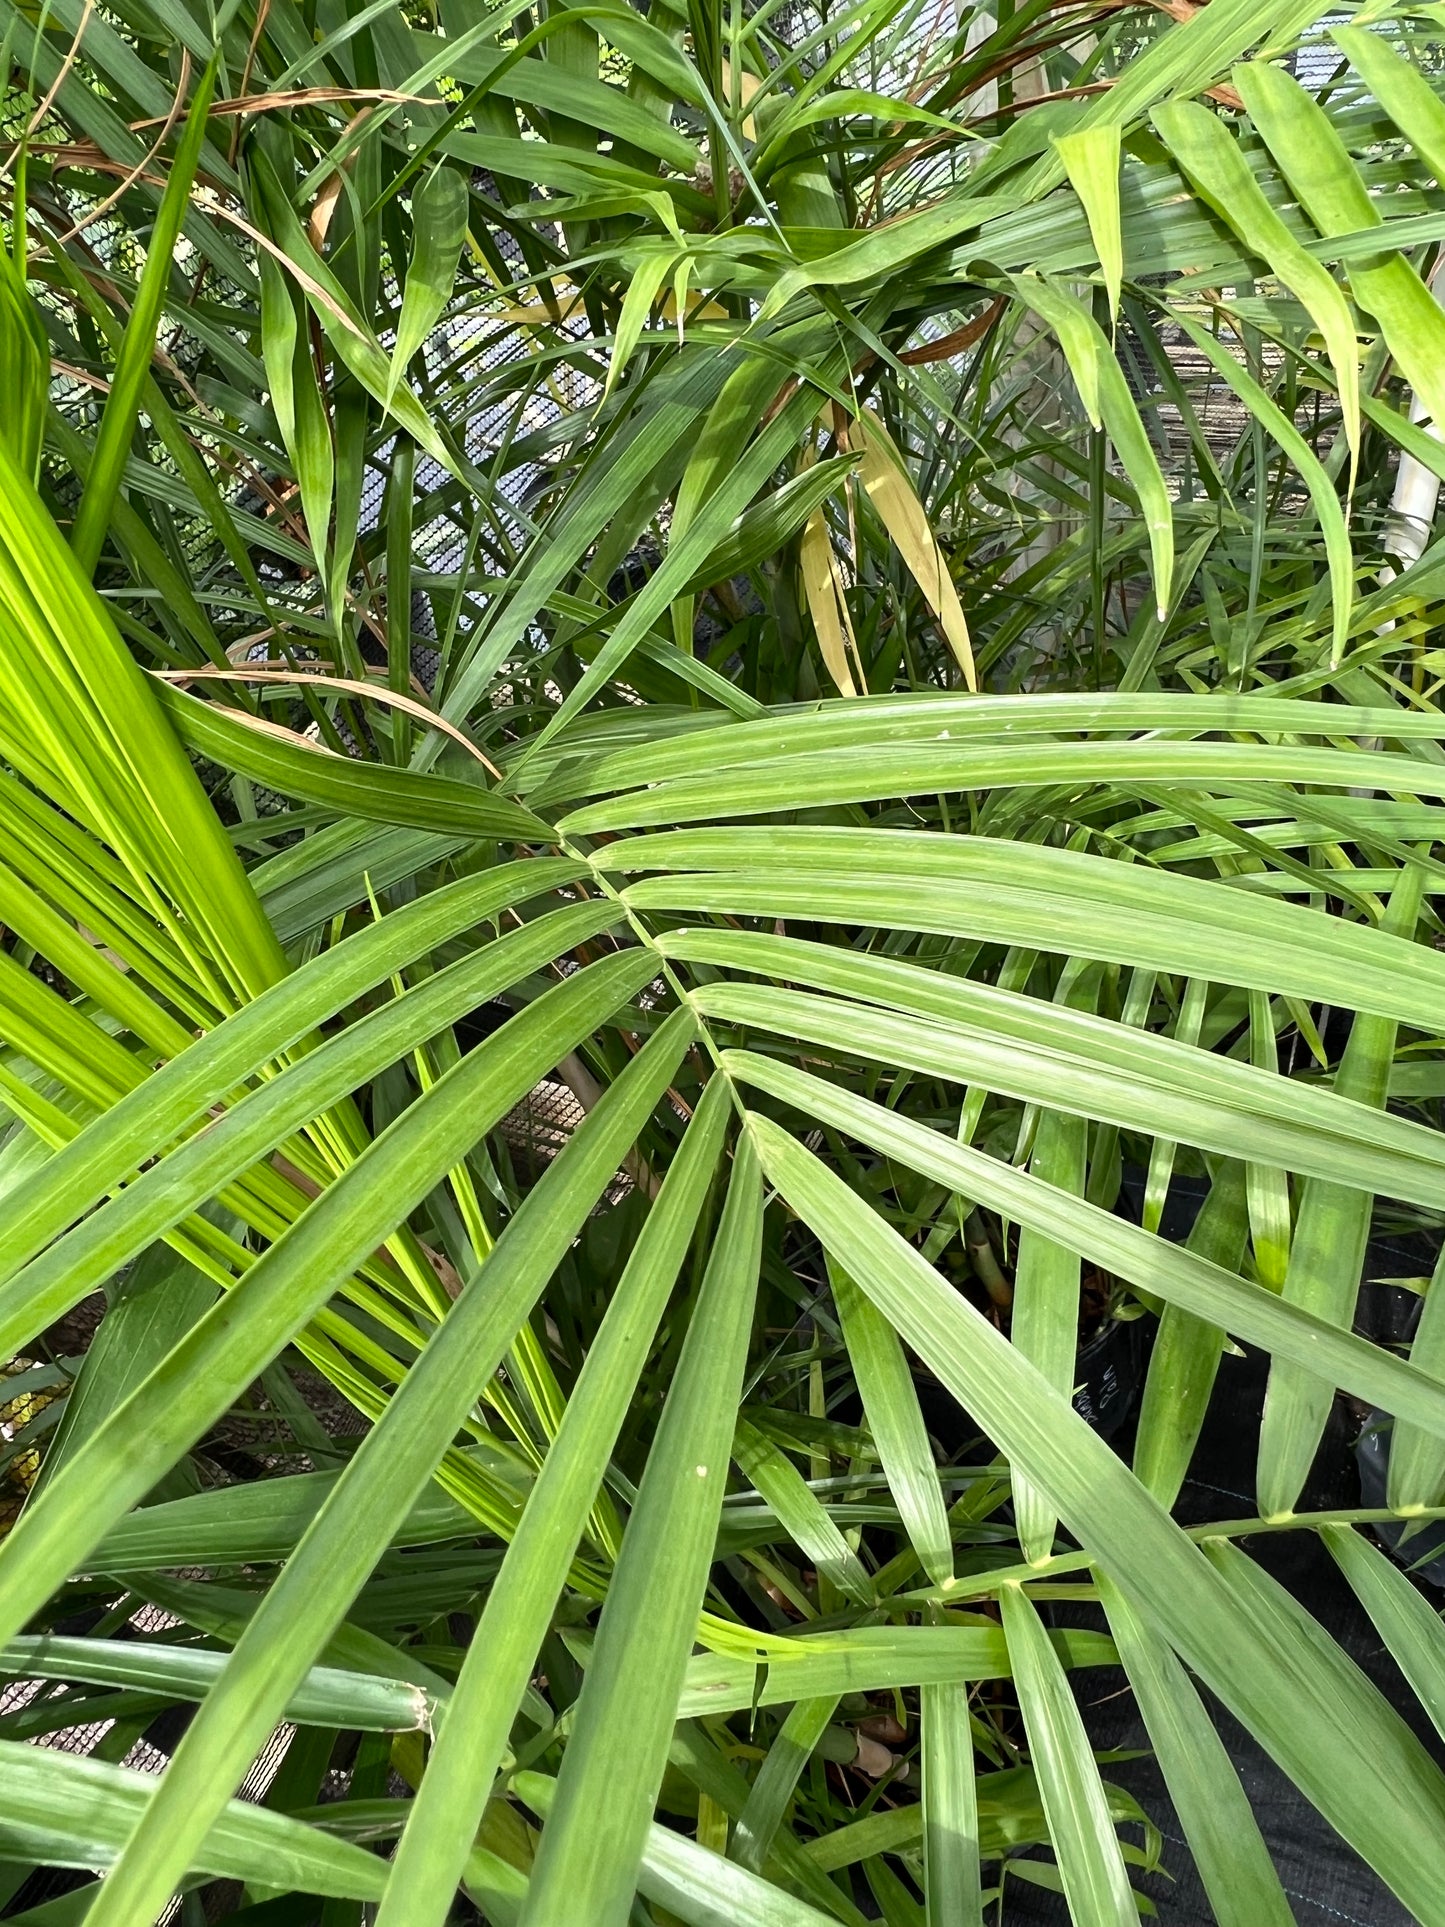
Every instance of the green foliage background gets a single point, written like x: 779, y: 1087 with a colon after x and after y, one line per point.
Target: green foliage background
x: 838, y: 590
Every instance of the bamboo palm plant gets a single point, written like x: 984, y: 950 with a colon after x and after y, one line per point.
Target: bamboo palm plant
x: 677, y: 554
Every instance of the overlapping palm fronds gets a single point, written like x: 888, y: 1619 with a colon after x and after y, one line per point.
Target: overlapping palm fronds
x: 824, y: 584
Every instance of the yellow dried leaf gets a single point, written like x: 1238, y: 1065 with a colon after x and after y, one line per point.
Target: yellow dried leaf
x: 823, y: 586
x: 748, y: 85
x: 893, y: 495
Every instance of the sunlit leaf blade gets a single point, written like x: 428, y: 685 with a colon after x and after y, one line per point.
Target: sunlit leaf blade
x: 1187, y: 1349
x: 1058, y: 899
x: 698, y: 1887
x: 76, y: 1263
x: 382, y: 1483
x: 439, y: 227
x: 1092, y: 1866
x: 326, y: 1696
x: 1327, y: 1254
x: 891, y: 1407
x: 597, y: 1828
x: 777, y: 1778
x: 75, y: 1812
x: 1200, y: 143
x: 1091, y: 160
x: 1180, y: 1277
x: 432, y: 1851
x: 1404, y: 1618
x: 224, y: 1352
x: 117, y: 424
x: 1318, y: 168
x: 952, y: 1885
x: 1233, y: 1862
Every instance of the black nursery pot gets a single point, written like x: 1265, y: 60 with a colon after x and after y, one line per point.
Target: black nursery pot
x: 1108, y: 1374
x: 1108, y: 1377
x: 1424, y: 1552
